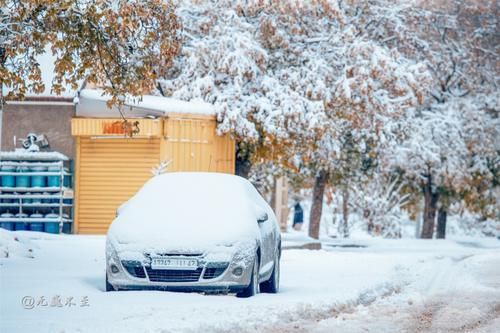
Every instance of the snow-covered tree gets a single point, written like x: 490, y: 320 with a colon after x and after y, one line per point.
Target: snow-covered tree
x: 481, y: 132
x: 456, y: 40
x: 373, y: 87
x: 293, y: 82
x: 231, y: 58
x: 123, y: 45
x: 433, y: 155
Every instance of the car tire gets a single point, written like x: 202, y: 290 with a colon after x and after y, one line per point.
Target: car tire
x: 109, y: 287
x: 272, y: 285
x: 253, y: 287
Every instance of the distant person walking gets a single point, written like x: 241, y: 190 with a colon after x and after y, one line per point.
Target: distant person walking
x: 298, y: 216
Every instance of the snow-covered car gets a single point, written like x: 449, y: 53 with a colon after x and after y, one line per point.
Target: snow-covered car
x: 194, y: 231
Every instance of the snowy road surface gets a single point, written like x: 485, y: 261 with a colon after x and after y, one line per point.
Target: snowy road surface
x: 383, y: 286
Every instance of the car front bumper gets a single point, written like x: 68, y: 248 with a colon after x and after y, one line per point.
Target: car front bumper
x: 203, y: 279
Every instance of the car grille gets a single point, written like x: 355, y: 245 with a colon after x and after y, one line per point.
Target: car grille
x: 173, y: 275
x: 134, y: 268
x: 215, y: 271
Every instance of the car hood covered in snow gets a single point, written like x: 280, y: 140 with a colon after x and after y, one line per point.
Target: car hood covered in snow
x: 187, y: 211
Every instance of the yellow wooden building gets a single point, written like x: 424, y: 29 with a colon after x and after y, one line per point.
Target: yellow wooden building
x: 110, y: 167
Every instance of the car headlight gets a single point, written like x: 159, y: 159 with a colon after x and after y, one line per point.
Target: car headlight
x: 114, y: 269
x: 110, y: 251
x: 244, y: 253
x: 112, y: 258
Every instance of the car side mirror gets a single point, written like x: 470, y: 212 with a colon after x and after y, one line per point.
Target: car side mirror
x: 263, y: 217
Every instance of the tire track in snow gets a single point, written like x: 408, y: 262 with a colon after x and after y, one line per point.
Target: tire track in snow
x: 290, y: 321
x: 449, y: 308
x: 434, y: 302
x: 446, y: 315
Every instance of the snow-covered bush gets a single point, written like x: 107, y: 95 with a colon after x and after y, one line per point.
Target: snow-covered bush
x: 379, y: 203
x: 465, y: 223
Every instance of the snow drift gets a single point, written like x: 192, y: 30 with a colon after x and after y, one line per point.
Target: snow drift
x: 11, y: 245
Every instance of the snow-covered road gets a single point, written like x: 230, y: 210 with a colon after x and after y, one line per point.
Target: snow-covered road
x: 381, y: 286
x: 449, y: 294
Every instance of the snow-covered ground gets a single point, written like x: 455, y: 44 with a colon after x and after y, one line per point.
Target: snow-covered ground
x: 369, y: 285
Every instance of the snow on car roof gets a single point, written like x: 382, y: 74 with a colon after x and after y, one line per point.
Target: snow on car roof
x: 188, y: 209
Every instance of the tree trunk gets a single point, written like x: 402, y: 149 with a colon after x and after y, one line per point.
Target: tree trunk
x: 243, y: 165
x: 367, y: 216
x: 441, y: 222
x: 430, y: 206
x: 317, y: 203
x: 345, y: 212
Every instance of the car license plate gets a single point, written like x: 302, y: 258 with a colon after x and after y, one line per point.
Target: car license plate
x: 174, y: 263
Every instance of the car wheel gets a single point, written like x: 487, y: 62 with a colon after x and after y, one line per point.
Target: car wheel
x: 109, y: 287
x: 253, y: 287
x: 273, y: 284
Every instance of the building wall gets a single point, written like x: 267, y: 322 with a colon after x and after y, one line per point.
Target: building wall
x: 111, y: 168
x: 53, y: 119
x: 191, y: 144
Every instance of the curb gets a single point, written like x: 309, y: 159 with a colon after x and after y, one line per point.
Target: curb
x: 303, y: 246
